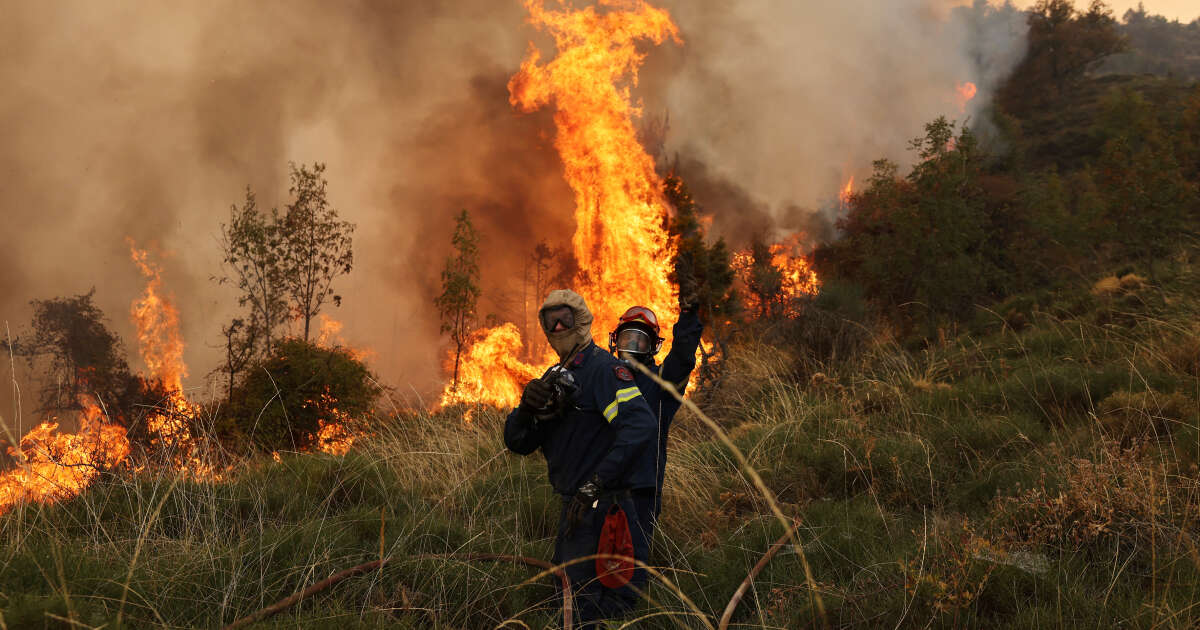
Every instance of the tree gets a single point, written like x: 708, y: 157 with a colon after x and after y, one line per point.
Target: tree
x: 1147, y: 197
x: 85, y: 356
x: 317, y: 246
x: 925, y: 238
x: 460, y: 287
x: 702, y: 271
x: 254, y: 251
x: 1063, y: 45
x: 240, y: 344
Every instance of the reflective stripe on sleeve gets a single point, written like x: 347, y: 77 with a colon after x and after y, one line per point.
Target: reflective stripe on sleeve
x: 623, y: 395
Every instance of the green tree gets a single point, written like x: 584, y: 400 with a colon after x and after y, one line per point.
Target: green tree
x: 1147, y: 198
x: 926, y: 238
x: 254, y: 251
x: 701, y: 271
x: 317, y: 246
x: 460, y: 287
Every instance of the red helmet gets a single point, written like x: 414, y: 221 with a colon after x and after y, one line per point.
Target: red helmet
x: 636, y: 335
x: 639, y: 314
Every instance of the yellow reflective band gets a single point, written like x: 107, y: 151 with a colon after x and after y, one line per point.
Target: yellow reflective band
x: 623, y: 395
x: 628, y: 394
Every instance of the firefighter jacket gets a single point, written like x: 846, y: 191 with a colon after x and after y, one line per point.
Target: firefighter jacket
x: 676, y: 369
x: 607, y: 430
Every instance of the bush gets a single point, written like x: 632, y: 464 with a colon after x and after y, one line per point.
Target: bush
x: 285, y: 399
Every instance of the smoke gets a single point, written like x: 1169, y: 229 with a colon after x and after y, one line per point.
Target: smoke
x: 783, y: 102
x: 149, y: 120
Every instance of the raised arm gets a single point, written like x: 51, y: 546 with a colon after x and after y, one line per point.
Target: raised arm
x: 679, y: 363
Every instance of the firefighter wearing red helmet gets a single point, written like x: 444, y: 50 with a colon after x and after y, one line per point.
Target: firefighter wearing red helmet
x: 637, y: 338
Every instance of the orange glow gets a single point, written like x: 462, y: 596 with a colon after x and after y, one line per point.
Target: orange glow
x: 620, y: 241
x: 965, y: 92
x: 53, y: 465
x: 799, y: 279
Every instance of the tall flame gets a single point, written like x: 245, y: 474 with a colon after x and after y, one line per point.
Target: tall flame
x: 157, y: 322
x: 620, y: 242
x: 161, y: 348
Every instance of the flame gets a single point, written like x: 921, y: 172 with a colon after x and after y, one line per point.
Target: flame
x: 333, y: 433
x: 489, y: 372
x: 53, y: 466
x: 846, y: 192
x: 799, y: 279
x: 620, y: 240
x: 329, y: 335
x: 157, y: 322
x: 965, y: 92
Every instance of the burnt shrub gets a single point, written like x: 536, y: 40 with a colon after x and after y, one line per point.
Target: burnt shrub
x: 284, y: 399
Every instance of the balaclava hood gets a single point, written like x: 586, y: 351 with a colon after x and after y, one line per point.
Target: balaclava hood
x: 564, y: 341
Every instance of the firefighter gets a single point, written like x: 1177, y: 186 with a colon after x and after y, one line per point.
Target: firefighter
x: 597, y: 434
x: 637, y: 338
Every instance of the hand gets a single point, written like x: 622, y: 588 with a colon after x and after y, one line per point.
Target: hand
x: 584, y: 501
x: 536, y: 396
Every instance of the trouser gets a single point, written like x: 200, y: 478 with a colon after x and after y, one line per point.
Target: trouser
x: 595, y: 602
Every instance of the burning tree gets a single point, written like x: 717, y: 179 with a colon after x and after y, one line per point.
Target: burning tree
x: 460, y: 287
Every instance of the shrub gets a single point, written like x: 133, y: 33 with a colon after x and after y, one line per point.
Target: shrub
x: 286, y: 399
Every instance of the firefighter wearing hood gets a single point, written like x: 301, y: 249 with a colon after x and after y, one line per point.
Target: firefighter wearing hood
x: 597, y: 434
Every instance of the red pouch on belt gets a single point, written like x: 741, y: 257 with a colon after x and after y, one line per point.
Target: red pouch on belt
x: 615, y: 540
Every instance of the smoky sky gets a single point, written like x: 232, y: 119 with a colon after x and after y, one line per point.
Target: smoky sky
x: 148, y: 120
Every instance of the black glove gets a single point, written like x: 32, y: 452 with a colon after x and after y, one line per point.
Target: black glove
x: 536, y: 396
x: 582, y: 504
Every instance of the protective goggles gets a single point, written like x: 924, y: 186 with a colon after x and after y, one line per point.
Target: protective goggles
x: 558, y: 319
x: 634, y: 340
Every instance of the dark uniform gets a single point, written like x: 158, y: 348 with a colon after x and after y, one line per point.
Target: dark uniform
x: 608, y: 431
x: 676, y: 369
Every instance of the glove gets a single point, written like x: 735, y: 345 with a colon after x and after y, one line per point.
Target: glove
x: 583, y: 503
x: 536, y: 396
x: 689, y: 295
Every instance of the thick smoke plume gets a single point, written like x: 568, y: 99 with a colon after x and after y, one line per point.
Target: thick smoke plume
x: 148, y: 120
